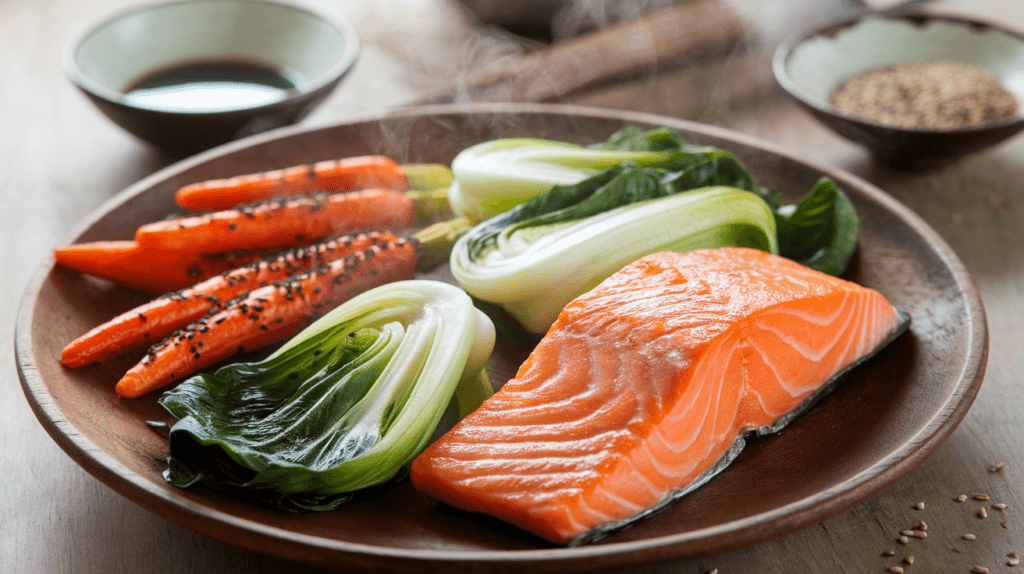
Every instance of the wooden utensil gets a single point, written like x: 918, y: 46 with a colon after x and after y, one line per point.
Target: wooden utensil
x: 701, y: 29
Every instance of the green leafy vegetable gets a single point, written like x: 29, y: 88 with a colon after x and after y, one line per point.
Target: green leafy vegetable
x: 820, y: 231
x: 532, y: 270
x: 495, y: 176
x: 341, y: 407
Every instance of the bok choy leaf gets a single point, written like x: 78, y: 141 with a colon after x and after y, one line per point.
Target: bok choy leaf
x: 341, y: 407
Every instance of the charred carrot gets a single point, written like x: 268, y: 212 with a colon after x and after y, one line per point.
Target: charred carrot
x: 268, y: 315
x: 281, y: 224
x: 347, y: 174
x: 159, y: 318
x: 153, y: 270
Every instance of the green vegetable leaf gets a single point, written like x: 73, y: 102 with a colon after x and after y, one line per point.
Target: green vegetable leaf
x: 342, y: 407
x: 820, y: 231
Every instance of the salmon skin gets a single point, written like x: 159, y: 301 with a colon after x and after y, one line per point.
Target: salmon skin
x: 645, y: 387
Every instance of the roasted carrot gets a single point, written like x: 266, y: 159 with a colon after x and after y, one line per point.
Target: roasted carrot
x: 153, y: 270
x: 347, y: 174
x: 268, y: 315
x: 159, y: 318
x: 281, y: 224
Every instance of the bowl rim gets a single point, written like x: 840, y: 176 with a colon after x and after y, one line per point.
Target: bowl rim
x: 347, y: 59
x: 784, y: 52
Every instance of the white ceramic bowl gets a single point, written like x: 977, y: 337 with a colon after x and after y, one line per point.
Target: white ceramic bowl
x: 313, y: 52
x: 812, y: 65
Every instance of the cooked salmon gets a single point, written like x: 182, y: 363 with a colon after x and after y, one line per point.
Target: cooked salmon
x: 644, y: 388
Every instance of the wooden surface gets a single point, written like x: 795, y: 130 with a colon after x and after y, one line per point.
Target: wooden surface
x: 60, y: 159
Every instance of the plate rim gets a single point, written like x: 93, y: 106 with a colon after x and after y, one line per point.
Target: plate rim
x: 733, y: 535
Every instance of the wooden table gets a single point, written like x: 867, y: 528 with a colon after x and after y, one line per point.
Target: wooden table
x: 60, y: 159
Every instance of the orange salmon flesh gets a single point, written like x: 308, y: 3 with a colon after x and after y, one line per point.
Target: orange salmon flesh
x: 641, y: 388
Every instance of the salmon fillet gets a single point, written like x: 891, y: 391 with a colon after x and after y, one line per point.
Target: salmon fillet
x: 645, y: 386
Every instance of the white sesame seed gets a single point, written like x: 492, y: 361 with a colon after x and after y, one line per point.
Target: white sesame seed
x: 907, y: 532
x: 999, y: 506
x: 969, y: 537
x: 961, y: 498
x: 920, y: 534
x: 922, y: 526
x: 903, y: 540
x: 919, y: 506
x: 997, y: 467
x: 981, y: 497
x: 982, y: 513
x: 979, y: 570
x: 909, y: 560
x: 895, y: 570
x: 888, y: 553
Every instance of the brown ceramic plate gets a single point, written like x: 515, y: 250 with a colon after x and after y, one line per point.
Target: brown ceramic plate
x: 882, y: 421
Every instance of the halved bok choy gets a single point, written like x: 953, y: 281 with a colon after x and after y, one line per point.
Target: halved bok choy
x: 495, y: 176
x: 534, y: 267
x: 343, y: 406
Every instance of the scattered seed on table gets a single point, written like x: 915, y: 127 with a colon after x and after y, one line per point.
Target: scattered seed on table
x: 714, y: 571
x: 979, y: 570
x: 969, y: 537
x: 1013, y: 559
x: 998, y: 467
x: 895, y: 570
x: 919, y: 506
x: 981, y: 497
x: 999, y: 506
x: 909, y: 560
x: 907, y: 532
x: 982, y: 513
x: 922, y: 526
x: 903, y: 540
x: 920, y: 534
x: 888, y: 553
x: 961, y: 498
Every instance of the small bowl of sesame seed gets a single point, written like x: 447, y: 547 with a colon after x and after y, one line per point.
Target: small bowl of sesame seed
x: 918, y: 89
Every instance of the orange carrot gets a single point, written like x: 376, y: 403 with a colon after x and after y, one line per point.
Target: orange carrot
x: 347, y: 174
x: 268, y: 315
x: 281, y: 224
x: 153, y: 270
x: 158, y: 319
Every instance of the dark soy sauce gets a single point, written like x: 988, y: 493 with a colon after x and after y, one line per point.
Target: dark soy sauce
x: 209, y: 87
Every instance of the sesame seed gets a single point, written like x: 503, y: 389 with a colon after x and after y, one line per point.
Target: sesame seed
x: 903, y: 540
x: 907, y: 532
x: 982, y: 513
x: 920, y: 534
x: 919, y: 506
x: 999, y: 506
x: 922, y: 526
x: 895, y: 570
x: 908, y: 560
x: 979, y: 570
x: 961, y: 498
x: 998, y: 467
x: 969, y: 537
x: 1013, y: 559
x: 980, y: 497
x: 889, y: 553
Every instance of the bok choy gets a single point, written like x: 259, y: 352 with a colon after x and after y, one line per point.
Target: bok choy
x: 341, y: 407
x: 540, y: 254
x: 495, y: 176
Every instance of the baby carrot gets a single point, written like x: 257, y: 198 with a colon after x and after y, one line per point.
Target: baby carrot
x: 281, y: 224
x: 153, y: 270
x: 347, y: 174
x: 268, y: 315
x: 159, y: 318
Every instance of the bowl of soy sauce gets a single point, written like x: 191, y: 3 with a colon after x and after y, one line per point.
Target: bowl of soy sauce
x: 188, y: 75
